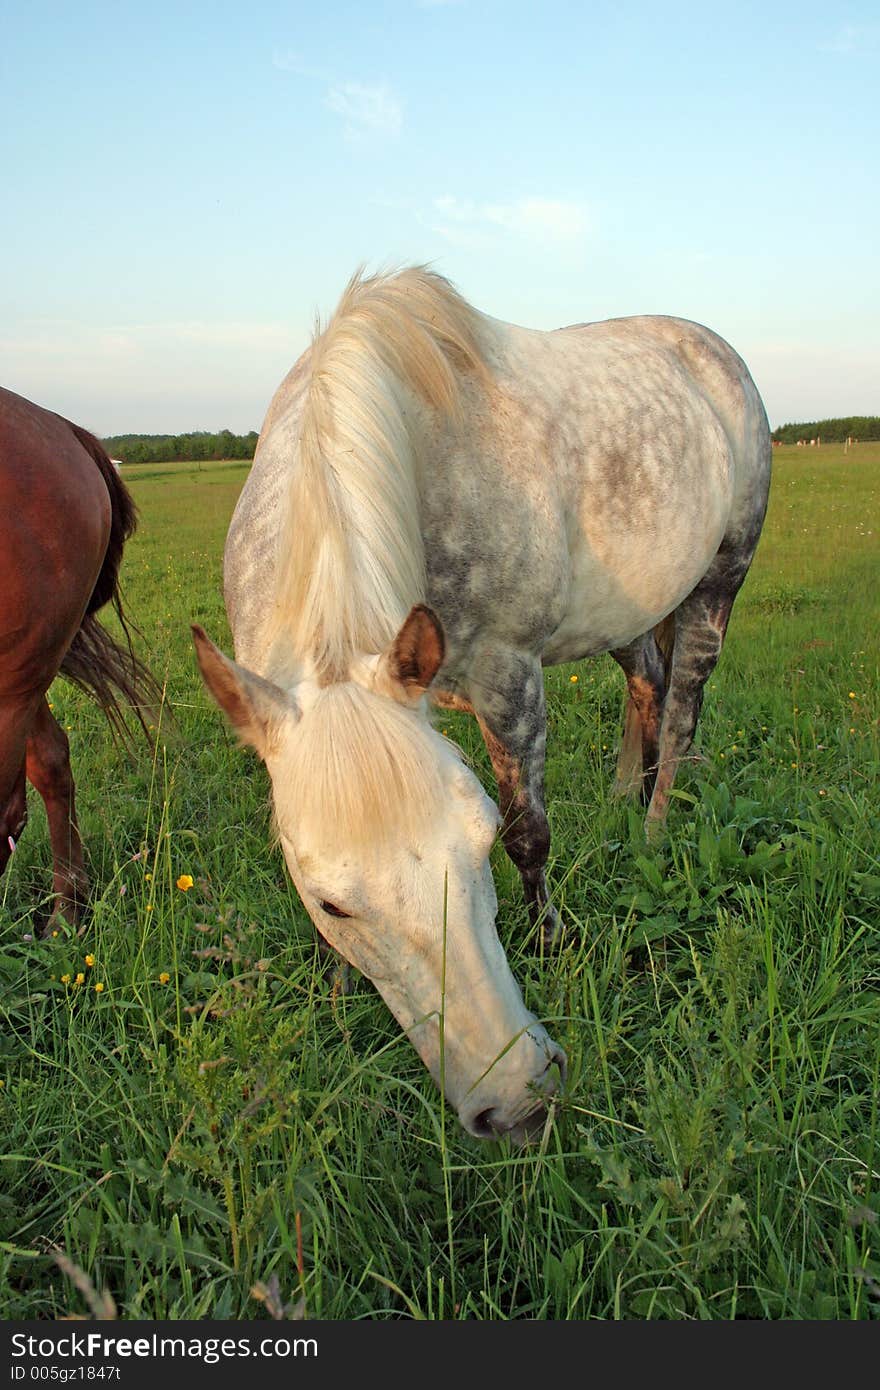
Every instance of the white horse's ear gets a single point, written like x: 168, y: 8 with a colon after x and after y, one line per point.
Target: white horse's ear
x: 414, y: 657
x: 255, y: 708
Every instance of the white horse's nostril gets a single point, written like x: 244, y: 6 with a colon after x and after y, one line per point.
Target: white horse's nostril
x: 516, y: 1120
x: 484, y: 1126
x: 492, y: 1124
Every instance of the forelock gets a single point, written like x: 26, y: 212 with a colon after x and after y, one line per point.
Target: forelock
x: 360, y: 766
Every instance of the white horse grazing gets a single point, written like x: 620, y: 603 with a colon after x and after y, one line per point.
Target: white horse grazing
x: 440, y: 504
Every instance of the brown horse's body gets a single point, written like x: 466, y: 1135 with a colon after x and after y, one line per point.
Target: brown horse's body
x: 64, y: 518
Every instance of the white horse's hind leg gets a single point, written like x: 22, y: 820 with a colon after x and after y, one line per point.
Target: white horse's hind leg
x: 701, y: 619
x: 700, y: 626
x: 629, y: 778
x: 644, y: 663
x: 699, y: 634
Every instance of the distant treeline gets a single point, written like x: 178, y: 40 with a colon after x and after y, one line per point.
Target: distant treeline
x: 831, y: 431
x: 201, y: 445
x: 165, y: 448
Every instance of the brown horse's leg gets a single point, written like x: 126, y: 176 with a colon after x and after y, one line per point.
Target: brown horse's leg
x: 13, y: 817
x: 48, y: 769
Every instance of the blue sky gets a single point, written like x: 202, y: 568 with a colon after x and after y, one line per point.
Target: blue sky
x: 186, y: 185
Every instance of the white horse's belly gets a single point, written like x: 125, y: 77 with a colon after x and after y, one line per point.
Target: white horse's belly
x: 607, y: 611
x: 626, y: 577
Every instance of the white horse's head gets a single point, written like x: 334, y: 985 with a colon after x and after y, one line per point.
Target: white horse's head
x: 387, y: 835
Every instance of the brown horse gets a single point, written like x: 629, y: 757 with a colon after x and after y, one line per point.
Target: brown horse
x: 65, y: 515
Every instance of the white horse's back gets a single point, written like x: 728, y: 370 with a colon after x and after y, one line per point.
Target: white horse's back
x: 582, y: 495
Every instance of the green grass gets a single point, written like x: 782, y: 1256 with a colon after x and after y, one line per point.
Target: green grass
x: 715, y: 1153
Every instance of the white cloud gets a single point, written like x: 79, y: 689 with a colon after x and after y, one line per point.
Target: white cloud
x: 853, y: 38
x: 544, y: 220
x: 366, y: 109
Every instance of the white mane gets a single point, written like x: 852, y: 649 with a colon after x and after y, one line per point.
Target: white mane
x: 359, y: 765
x: 352, y: 551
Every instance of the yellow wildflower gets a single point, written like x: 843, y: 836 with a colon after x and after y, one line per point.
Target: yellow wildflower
x: 573, y: 680
x: 99, y: 988
x: 185, y: 882
x: 164, y: 977
x: 79, y: 979
x: 90, y: 960
x: 65, y: 979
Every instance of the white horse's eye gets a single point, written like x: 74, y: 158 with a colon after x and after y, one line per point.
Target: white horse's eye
x: 332, y: 910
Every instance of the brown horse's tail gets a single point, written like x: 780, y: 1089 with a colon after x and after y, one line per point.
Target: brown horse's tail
x: 104, y: 668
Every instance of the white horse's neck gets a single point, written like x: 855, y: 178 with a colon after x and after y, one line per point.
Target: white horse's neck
x: 351, y: 553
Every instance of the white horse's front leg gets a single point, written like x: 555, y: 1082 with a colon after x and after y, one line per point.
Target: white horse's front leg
x: 508, y: 699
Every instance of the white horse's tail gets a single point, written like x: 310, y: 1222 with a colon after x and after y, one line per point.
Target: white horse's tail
x: 664, y: 636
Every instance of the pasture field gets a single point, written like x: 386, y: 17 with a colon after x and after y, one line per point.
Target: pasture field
x: 205, y: 1122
